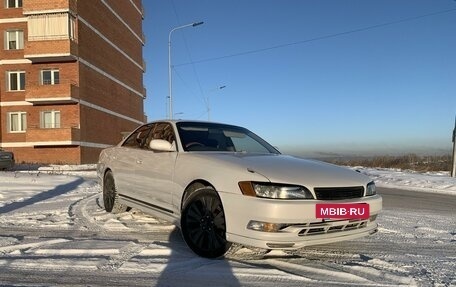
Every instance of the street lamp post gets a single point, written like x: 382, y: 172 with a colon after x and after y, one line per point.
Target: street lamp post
x: 208, y: 107
x: 170, y: 95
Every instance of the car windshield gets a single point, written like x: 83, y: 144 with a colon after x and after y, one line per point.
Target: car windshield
x: 196, y: 136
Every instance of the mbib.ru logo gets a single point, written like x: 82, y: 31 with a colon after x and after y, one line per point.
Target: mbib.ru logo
x: 342, y: 211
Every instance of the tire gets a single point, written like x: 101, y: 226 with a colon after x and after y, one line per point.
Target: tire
x: 110, y: 195
x: 203, y: 223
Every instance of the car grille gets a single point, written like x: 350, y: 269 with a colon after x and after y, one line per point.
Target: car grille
x: 335, y: 193
x: 332, y: 226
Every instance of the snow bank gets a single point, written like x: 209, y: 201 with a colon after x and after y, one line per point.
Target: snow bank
x: 439, y: 182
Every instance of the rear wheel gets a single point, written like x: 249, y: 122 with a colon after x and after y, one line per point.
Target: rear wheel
x: 110, y: 195
x: 203, y: 223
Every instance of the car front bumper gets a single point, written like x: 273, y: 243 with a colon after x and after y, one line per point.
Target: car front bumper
x: 300, y: 227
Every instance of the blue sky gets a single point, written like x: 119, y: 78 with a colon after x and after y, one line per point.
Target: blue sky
x: 385, y: 89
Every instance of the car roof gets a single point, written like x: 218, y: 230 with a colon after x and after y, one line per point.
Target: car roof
x: 182, y: 120
x: 190, y: 121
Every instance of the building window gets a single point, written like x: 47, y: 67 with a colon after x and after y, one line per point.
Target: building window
x: 13, y: 3
x: 50, y: 77
x: 16, y: 81
x: 17, y: 122
x: 14, y: 40
x: 55, y: 26
x: 50, y: 120
x: 72, y: 31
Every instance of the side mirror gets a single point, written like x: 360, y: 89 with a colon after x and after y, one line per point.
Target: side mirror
x: 162, y: 145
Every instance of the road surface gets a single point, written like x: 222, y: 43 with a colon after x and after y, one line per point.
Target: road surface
x: 398, y: 199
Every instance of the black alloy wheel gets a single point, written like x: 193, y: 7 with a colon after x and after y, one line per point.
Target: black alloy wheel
x: 110, y: 195
x: 203, y: 223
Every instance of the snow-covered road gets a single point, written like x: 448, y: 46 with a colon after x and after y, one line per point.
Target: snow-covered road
x: 54, y: 231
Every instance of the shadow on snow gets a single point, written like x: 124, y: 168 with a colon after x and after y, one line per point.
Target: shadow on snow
x: 185, y: 268
x: 58, y: 190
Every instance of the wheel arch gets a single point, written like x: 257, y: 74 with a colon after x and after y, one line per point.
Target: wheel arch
x: 192, y: 187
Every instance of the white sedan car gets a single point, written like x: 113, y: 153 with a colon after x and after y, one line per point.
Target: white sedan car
x: 222, y: 184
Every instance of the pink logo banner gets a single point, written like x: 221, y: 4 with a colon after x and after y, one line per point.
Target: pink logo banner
x: 342, y: 211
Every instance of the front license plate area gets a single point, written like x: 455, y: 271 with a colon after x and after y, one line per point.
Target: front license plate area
x: 342, y: 211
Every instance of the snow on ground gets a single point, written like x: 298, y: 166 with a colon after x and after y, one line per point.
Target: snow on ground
x: 440, y: 182
x: 52, y: 222
x: 33, y: 181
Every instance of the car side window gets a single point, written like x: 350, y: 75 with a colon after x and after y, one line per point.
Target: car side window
x: 162, y: 131
x: 138, y: 139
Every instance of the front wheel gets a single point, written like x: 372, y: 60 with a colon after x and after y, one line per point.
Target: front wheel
x: 203, y: 223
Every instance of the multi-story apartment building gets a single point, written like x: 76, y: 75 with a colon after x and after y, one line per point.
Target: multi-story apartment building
x: 71, y: 77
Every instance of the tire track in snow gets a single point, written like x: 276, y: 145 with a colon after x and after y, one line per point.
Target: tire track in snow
x: 317, y: 273
x: 26, y: 246
x: 80, y: 217
x: 332, y: 268
x: 125, y: 253
x: 88, y: 214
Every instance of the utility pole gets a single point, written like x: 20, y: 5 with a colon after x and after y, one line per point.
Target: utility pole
x: 453, y: 171
x: 170, y: 73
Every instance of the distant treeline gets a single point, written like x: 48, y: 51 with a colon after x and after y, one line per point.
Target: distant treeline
x: 409, y: 161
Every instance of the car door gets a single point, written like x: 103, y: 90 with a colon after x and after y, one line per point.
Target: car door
x: 156, y: 170
x: 126, y: 164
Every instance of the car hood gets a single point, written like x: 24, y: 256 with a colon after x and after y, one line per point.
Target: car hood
x: 293, y: 170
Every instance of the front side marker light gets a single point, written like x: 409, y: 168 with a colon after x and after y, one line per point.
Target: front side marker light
x: 247, y: 188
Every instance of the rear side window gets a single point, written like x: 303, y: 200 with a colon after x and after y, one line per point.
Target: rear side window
x: 163, y: 131
x: 138, y: 138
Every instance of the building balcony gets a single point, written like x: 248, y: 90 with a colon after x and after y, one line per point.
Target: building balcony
x: 51, y: 50
x: 40, y: 6
x: 52, y: 30
x: 65, y: 92
x: 53, y: 137
x: 144, y: 93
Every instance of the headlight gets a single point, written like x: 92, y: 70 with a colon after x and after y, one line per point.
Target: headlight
x: 371, y: 189
x: 274, y: 191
